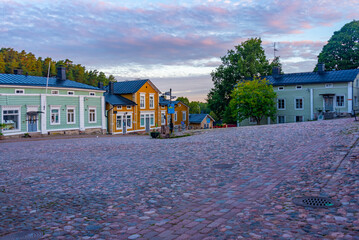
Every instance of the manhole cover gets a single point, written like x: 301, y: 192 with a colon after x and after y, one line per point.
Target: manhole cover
x: 319, y: 202
x: 25, y: 235
x: 223, y: 165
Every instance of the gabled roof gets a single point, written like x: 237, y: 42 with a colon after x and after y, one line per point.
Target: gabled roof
x: 127, y: 87
x: 22, y: 80
x: 198, y: 118
x: 117, y: 100
x: 313, y: 77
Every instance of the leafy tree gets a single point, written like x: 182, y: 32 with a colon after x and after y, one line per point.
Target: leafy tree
x: 247, y: 60
x: 194, y: 108
x: 253, y: 98
x: 2, y: 63
x: 342, y: 50
x: 184, y: 100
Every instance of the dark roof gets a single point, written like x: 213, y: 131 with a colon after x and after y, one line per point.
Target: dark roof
x: 22, y: 80
x: 198, y: 118
x: 165, y: 102
x: 313, y: 77
x: 127, y: 87
x: 117, y: 100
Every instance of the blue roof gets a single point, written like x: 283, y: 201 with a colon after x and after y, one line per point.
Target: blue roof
x: 198, y: 118
x: 165, y: 102
x: 127, y: 87
x: 313, y: 77
x: 22, y: 80
x: 116, y: 100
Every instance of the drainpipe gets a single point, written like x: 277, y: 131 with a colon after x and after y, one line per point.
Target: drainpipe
x: 350, y: 97
x: 311, y: 105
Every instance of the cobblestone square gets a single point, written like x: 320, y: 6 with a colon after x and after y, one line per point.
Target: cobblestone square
x: 235, y: 183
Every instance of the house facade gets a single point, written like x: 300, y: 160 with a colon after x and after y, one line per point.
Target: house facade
x: 313, y: 95
x: 201, y: 121
x: 132, y: 106
x: 180, y: 117
x: 36, y: 106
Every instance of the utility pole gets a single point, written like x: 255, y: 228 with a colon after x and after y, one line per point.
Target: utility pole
x: 171, y: 123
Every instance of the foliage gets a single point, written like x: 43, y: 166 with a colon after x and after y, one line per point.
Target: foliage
x: 195, y: 106
x: 342, y: 50
x: 247, y: 60
x: 11, y: 60
x: 2, y: 125
x: 184, y: 100
x: 253, y: 98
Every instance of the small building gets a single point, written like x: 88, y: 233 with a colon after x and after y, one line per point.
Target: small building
x: 201, y: 121
x: 180, y: 117
x: 132, y: 106
x: 35, y: 105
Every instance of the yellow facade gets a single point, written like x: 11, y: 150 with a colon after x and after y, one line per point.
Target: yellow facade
x: 181, y: 115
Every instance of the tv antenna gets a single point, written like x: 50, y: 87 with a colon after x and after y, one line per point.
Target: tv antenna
x: 274, y: 49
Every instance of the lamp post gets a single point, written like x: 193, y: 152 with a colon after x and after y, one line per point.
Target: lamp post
x: 170, y: 105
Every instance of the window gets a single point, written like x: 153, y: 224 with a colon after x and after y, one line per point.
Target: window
x: 54, y: 115
x: 70, y: 93
x: 184, y: 116
x: 71, y: 115
x: 298, y: 118
x: 280, y: 88
x: 19, y: 91
x: 129, y: 121
x: 142, y: 122
x: 329, y: 85
x: 299, y: 87
x: 299, y: 104
x: 119, y: 122
x: 55, y: 92
x: 92, y: 94
x: 355, y: 101
x: 281, y: 104
x: 252, y: 120
x: 128, y: 107
x: 11, y: 119
x: 340, y: 101
x: 119, y: 107
x: 163, y: 118
x: 152, y: 119
x: 281, y: 119
x: 92, y: 115
x: 152, y: 101
x: 175, y: 116
x: 142, y: 101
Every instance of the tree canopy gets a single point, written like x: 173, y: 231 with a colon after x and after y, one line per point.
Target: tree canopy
x: 253, y: 98
x: 342, y: 50
x: 11, y: 60
x: 246, y: 60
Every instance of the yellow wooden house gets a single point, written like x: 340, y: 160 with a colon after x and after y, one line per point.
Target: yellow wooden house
x: 132, y: 106
x: 180, y: 117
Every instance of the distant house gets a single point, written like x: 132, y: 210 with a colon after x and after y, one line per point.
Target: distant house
x: 313, y: 95
x: 180, y: 117
x: 33, y: 105
x: 202, y: 121
x: 132, y: 106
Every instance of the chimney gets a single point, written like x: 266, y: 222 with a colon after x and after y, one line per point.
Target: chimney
x: 276, y: 72
x: 61, y: 74
x: 100, y: 85
x: 111, y: 87
x: 18, y: 71
x: 321, y: 68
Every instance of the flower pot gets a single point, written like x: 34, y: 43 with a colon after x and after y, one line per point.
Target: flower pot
x: 155, y: 134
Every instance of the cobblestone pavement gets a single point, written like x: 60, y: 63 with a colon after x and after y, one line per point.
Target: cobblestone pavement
x: 135, y: 187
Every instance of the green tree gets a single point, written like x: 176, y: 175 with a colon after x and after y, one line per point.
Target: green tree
x: 184, y: 100
x: 253, y: 98
x: 247, y: 60
x: 342, y: 50
x: 194, y: 108
x: 2, y: 63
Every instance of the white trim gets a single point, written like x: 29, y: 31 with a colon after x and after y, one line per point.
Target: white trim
x: 92, y: 94
x: 144, y: 100
x: 92, y: 108
x: 185, y: 114
x: 295, y: 118
x: 47, y: 95
x: 149, y: 100
x: 7, y: 108
x: 350, y: 97
x: 285, y: 120
x: 298, y: 87
x: 55, y: 107
x: 336, y: 102
x: 128, y: 107
x: 328, y: 85
x: 163, y: 122
x: 23, y: 91
x: 295, y: 103
x: 103, y: 118
x: 82, y: 112
x: 278, y: 104
x: 32, y: 108
x: 44, y: 114
x: 280, y: 88
x: 73, y: 93
x: 147, y: 112
x: 37, y: 87
x: 55, y: 92
x: 67, y: 114
x: 311, y: 105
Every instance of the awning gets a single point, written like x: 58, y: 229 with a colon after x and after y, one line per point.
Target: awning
x: 32, y: 113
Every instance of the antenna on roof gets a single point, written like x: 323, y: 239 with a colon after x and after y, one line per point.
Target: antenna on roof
x: 274, y: 49
x: 48, y: 74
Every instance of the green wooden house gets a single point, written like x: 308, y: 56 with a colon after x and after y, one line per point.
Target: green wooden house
x: 37, y: 105
x: 313, y: 95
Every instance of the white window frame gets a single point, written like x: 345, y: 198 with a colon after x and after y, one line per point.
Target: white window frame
x: 144, y: 101
x: 89, y: 118
x: 92, y: 94
x: 152, y: 115
x: 184, y: 115
x: 142, y: 116
x: 119, y: 107
x: 152, y: 101
x: 59, y: 113
x: 70, y: 93
x: 121, y: 121
x: 128, y: 107
x: 298, y: 87
x: 283, y: 118
x: 19, y: 91
x: 67, y: 114
x: 283, y: 104
x: 252, y: 120
x: 55, y: 92
x: 295, y: 118
x: 131, y: 119
x: 328, y: 85
x: 281, y: 88
x: 7, y: 108
x: 163, y: 119
x: 295, y: 104
x: 336, y: 101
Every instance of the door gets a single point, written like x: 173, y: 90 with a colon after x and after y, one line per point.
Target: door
x: 32, y: 123
x: 328, y: 103
x: 147, y: 123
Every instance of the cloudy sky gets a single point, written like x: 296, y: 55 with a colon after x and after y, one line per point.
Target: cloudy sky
x: 176, y: 44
